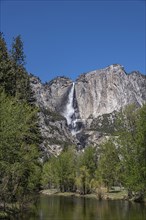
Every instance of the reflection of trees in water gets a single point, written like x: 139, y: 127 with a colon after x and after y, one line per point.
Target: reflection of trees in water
x: 84, y: 207
x: 74, y: 208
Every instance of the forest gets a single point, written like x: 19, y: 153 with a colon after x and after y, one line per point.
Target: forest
x: 119, y: 161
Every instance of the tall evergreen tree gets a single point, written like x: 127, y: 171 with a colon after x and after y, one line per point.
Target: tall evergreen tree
x: 21, y: 83
x: 7, y: 71
x: 17, y: 51
x: 3, y: 48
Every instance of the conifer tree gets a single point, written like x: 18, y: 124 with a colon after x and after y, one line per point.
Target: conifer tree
x: 3, y: 48
x: 17, y: 51
x: 22, y: 84
x: 7, y: 72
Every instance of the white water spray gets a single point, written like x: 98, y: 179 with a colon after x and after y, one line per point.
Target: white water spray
x: 69, y: 112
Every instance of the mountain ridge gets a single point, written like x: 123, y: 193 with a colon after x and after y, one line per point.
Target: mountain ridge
x: 96, y: 93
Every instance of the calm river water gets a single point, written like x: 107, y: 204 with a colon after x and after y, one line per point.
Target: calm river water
x: 74, y: 208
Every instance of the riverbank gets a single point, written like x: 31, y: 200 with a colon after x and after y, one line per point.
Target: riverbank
x: 118, y: 195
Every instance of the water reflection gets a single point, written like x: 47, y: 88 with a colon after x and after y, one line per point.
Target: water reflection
x: 73, y: 208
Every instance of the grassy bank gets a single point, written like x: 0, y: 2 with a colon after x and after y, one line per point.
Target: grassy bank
x: 118, y: 195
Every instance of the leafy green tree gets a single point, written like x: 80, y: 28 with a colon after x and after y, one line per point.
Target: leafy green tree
x: 83, y: 180
x: 60, y: 171
x: 89, y: 159
x: 87, y: 165
x: 19, y: 164
x: 49, y: 177
x: 109, y: 164
x: 132, y: 143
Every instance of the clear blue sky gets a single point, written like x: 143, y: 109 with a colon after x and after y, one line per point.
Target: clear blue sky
x: 72, y: 37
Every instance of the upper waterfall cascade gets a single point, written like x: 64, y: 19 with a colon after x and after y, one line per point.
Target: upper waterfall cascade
x: 69, y: 112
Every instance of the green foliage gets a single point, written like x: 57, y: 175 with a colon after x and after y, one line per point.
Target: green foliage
x: 17, y: 52
x: 60, y: 172
x: 14, y: 79
x: 70, y: 171
x: 132, y: 142
x: 49, y: 179
x: 121, y: 160
x: 7, y: 73
x: 3, y: 48
x: 109, y: 164
x: 83, y: 180
x: 19, y: 166
x: 89, y: 159
x: 19, y: 133
x: 87, y: 165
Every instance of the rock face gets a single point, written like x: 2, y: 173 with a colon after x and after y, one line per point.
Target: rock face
x: 51, y: 99
x: 52, y: 95
x: 107, y: 90
x: 93, y: 100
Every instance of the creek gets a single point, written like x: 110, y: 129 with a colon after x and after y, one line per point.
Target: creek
x: 78, y: 208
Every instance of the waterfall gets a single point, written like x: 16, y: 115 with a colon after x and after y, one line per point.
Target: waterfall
x: 69, y: 112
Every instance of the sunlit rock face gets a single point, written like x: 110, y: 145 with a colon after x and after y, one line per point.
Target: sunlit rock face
x: 95, y: 93
x: 51, y: 98
x: 104, y: 91
x: 82, y: 112
x: 52, y: 94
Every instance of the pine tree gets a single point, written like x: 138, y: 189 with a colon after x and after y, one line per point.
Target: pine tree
x: 3, y: 48
x: 17, y: 51
x: 7, y: 71
x: 14, y: 79
x: 21, y: 78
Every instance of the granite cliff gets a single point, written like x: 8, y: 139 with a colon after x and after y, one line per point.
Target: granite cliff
x: 83, y: 112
